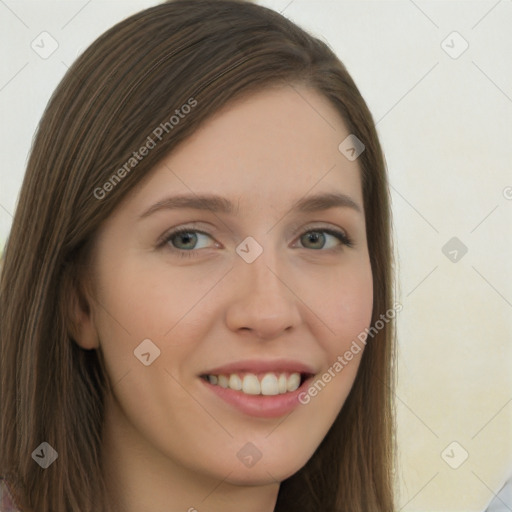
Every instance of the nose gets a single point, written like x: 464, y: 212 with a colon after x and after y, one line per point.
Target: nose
x: 264, y: 302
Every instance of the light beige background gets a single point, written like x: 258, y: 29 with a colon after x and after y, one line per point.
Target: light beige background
x: 446, y: 127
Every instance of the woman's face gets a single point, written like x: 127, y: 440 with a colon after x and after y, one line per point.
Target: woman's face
x: 260, y: 286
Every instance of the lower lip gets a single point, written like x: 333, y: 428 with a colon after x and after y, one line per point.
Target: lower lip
x: 261, y: 406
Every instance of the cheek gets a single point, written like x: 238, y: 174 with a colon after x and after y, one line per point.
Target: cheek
x: 148, y: 299
x: 344, y: 304
x: 140, y: 301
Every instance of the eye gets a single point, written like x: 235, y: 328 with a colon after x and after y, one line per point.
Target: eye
x: 183, y: 241
x: 324, y: 238
x: 186, y: 241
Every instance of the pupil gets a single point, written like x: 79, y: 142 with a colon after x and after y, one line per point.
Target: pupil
x: 187, y: 238
x: 314, y: 236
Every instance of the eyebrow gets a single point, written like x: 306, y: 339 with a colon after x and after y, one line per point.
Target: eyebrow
x: 218, y: 204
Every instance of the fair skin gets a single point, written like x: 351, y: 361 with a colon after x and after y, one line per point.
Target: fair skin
x: 170, y: 443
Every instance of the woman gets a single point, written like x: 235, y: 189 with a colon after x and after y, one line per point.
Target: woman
x: 196, y: 292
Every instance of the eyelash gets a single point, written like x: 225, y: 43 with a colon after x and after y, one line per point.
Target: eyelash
x: 340, y: 235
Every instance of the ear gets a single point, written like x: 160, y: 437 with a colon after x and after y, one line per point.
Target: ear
x: 80, y: 318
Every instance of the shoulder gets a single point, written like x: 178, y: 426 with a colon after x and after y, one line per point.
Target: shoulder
x: 6, y: 501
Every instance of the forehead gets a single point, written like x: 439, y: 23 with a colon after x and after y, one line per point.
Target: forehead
x: 273, y: 146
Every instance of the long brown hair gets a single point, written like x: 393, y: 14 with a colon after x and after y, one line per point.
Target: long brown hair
x: 119, y: 90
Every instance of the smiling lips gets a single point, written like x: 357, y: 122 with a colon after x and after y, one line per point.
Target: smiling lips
x: 268, y: 384
x: 260, y: 388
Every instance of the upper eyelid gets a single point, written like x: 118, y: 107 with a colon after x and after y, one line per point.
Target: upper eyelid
x: 295, y: 228
x: 322, y: 225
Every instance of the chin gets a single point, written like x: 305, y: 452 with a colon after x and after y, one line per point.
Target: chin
x: 264, y: 475
x: 267, y: 469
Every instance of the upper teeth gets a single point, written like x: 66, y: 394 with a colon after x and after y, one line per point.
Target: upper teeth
x: 270, y: 383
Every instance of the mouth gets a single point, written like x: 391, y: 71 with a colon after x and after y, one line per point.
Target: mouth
x: 263, y: 383
x: 258, y: 388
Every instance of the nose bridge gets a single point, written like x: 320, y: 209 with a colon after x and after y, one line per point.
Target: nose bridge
x: 266, y: 281
x: 259, y: 262
x: 264, y: 304
x: 263, y: 278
